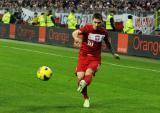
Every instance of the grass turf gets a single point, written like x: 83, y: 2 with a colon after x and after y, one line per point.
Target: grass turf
x: 129, y: 85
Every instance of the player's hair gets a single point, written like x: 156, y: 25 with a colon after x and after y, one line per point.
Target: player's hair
x: 97, y: 16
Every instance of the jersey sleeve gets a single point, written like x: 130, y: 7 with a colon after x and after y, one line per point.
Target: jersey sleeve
x: 84, y: 29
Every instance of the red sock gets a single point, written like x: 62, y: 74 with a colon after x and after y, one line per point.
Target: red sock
x: 84, y: 93
x: 88, y: 79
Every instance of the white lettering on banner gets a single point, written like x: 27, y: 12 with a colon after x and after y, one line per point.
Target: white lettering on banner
x: 119, y: 18
x: 27, y: 14
x: 144, y: 24
x: 85, y: 19
x: 81, y: 19
x: 63, y: 17
x: 96, y: 37
x: 2, y: 11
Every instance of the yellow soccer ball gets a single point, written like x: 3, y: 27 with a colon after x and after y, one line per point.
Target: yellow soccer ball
x: 44, y: 73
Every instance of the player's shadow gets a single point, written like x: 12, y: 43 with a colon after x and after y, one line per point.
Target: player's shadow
x: 45, y: 108
x: 40, y: 108
x: 108, y: 103
x: 124, y: 104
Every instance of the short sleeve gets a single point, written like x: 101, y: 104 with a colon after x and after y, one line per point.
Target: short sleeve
x: 84, y: 29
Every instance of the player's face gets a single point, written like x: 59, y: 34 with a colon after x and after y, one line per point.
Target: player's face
x: 97, y: 23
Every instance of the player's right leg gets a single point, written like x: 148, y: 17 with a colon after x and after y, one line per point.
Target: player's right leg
x: 81, y: 84
x: 82, y: 87
x: 80, y: 71
x: 84, y: 81
x: 80, y: 75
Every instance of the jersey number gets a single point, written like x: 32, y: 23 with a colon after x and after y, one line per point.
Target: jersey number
x: 90, y: 43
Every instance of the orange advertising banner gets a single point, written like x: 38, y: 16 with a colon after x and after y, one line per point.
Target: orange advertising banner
x: 42, y: 34
x: 122, y: 43
x: 12, y: 31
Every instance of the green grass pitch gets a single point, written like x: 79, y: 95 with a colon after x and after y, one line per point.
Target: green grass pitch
x: 129, y: 85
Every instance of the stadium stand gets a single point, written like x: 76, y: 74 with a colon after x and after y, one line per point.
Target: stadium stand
x: 127, y: 5
x: 90, y: 6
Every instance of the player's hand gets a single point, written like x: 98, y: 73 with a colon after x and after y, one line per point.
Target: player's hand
x: 77, y: 42
x: 116, y: 56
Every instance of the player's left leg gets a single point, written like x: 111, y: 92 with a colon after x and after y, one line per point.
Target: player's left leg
x: 80, y: 76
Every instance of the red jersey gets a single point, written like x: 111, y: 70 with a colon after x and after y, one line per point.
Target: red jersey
x: 92, y: 40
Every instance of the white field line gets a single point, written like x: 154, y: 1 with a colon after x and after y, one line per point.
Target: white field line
x: 62, y: 56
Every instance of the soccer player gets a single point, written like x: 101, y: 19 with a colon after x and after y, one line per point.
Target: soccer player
x: 89, y: 39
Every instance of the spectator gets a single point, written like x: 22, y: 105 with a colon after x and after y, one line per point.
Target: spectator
x: 110, y: 22
x: 42, y: 20
x: 50, y: 19
x: 13, y: 19
x: 35, y: 19
x: 72, y: 22
x: 129, y: 28
x: 88, y: 5
x: 6, y: 17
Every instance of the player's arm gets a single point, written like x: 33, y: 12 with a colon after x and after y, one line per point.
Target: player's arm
x: 108, y: 44
x: 77, y: 39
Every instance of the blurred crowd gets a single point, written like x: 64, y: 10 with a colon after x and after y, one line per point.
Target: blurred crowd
x: 90, y: 5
